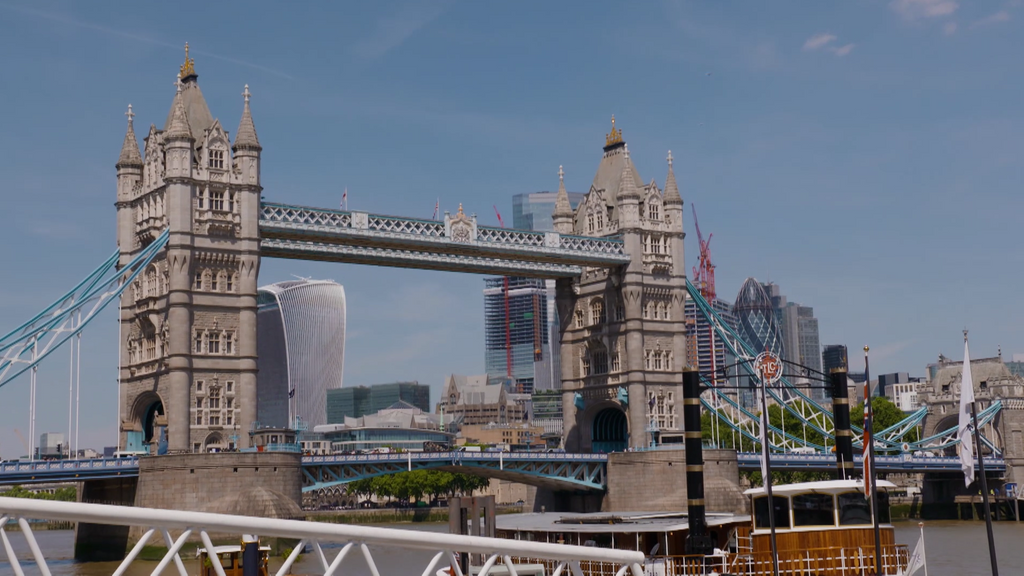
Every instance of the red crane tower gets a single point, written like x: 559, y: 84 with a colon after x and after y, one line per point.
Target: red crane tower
x: 704, y: 274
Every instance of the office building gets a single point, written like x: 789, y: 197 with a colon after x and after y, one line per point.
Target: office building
x: 301, y: 347
x: 533, y: 210
x: 887, y: 380
x: 903, y: 395
x: 520, y: 337
x: 520, y: 436
x: 52, y: 445
x: 401, y: 425
x: 359, y: 401
x: 833, y: 356
x: 801, y: 342
x: 701, y: 340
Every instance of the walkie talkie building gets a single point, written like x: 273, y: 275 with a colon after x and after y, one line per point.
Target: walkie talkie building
x: 301, y: 346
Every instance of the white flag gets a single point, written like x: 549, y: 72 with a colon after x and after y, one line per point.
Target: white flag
x: 764, y: 443
x: 964, y: 430
x: 917, y: 560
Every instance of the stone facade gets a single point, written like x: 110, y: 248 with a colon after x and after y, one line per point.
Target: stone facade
x: 656, y: 481
x: 623, y: 336
x: 188, y: 322
x: 992, y: 381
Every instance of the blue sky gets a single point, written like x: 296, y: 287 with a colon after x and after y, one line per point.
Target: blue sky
x: 865, y: 156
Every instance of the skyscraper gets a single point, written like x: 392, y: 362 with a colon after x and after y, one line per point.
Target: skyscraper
x: 358, y: 401
x: 301, y: 346
x: 756, y: 321
x: 801, y: 343
x: 532, y: 210
x: 699, y: 338
x: 833, y: 356
x: 517, y: 334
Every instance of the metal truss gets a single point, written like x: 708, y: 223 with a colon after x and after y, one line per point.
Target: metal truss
x: 576, y: 472
x: 445, y: 548
x: 905, y: 463
x: 410, y: 242
x: 68, y: 470
x: 812, y: 415
x: 28, y: 344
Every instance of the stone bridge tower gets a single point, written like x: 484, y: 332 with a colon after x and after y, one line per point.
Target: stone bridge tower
x: 623, y: 343
x: 992, y: 381
x: 188, y: 323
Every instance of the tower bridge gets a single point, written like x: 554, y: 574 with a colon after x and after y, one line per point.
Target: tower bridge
x: 192, y: 228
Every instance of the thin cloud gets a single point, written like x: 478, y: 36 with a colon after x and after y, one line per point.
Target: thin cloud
x: 55, y: 17
x: 843, y: 50
x: 922, y: 9
x: 998, y: 17
x: 949, y: 29
x: 818, y: 41
x: 393, y: 30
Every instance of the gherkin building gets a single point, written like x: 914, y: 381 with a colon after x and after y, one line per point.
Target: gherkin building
x: 757, y: 324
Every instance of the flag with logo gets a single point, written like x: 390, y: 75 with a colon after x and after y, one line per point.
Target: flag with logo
x: 964, y: 429
x: 917, y: 559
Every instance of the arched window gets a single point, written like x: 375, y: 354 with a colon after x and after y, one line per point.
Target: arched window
x: 152, y: 283
x: 668, y: 311
x: 597, y: 311
x: 222, y: 281
x: 590, y: 222
x: 207, y: 279
x: 199, y: 280
x: 661, y: 311
x: 578, y: 317
x: 647, y: 243
x: 647, y: 360
x: 657, y: 360
x: 648, y: 308
x: 600, y: 221
x: 231, y: 281
x: 616, y: 363
x: 216, y: 159
x: 585, y: 365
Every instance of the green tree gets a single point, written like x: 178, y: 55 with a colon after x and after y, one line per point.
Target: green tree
x: 886, y: 415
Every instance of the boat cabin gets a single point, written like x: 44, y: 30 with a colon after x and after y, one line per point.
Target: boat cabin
x: 826, y: 523
x: 230, y: 558
x: 653, y: 533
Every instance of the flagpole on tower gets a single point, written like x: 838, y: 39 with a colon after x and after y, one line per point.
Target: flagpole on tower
x: 967, y: 387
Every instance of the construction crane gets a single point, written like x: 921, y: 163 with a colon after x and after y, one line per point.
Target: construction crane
x: 704, y: 274
x: 508, y: 326
x: 23, y: 441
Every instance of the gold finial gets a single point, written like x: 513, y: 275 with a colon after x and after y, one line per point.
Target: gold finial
x: 613, y: 137
x: 461, y: 213
x: 866, y: 349
x: 188, y: 68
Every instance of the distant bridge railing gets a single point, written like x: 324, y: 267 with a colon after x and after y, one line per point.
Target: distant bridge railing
x: 898, y: 463
x: 67, y: 470
x: 445, y: 547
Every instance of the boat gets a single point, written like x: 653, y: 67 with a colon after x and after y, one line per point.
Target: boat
x: 231, y: 558
x: 822, y: 529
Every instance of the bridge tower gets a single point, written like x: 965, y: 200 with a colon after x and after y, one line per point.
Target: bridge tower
x: 188, y: 323
x: 623, y: 345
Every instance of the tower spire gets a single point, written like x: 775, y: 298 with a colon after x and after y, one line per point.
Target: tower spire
x: 246, y: 138
x: 130, y: 156
x: 671, y: 189
x: 188, y: 69
x: 562, y: 216
x: 627, y: 185
x: 178, y: 126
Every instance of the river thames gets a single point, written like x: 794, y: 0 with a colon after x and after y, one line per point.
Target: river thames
x: 954, y: 549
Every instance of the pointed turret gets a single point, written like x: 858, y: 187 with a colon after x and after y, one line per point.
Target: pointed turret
x: 130, y: 156
x: 245, y: 138
x: 562, y: 216
x: 627, y: 180
x: 671, y: 189
x: 177, y: 124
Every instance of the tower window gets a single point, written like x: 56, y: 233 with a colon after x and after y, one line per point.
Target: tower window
x: 217, y: 201
x: 653, y: 211
x: 215, y: 283
x: 229, y: 387
x: 213, y: 343
x: 199, y: 280
x: 199, y: 350
x: 578, y: 315
x: 229, y: 284
x: 217, y: 159
x: 229, y: 343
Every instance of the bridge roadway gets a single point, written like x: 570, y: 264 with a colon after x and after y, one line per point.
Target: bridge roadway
x: 559, y: 471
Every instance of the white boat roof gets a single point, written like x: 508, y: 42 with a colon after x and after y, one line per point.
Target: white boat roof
x: 821, y: 487
x: 229, y: 548
x: 618, y: 522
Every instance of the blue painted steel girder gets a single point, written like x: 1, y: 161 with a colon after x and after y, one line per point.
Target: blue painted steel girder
x: 902, y: 463
x: 575, y: 472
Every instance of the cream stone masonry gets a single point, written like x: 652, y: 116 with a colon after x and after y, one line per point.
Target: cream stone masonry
x: 623, y: 336
x: 191, y: 317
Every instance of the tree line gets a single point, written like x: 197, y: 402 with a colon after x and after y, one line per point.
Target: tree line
x: 417, y: 484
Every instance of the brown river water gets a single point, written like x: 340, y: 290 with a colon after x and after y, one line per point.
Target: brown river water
x: 953, y: 549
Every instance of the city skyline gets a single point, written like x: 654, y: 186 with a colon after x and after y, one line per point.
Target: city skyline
x: 871, y: 182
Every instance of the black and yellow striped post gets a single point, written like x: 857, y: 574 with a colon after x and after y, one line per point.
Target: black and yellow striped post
x: 841, y: 413
x: 698, y: 541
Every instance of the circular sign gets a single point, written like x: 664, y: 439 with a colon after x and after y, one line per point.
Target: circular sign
x: 769, y: 367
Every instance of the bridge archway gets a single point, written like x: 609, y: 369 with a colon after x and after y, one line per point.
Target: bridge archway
x: 147, y: 416
x: 215, y: 442
x: 609, y: 431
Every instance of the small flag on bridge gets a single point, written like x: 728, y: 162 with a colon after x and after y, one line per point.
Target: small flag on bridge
x: 344, y: 199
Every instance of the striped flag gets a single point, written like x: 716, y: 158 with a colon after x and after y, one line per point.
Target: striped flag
x: 868, y: 442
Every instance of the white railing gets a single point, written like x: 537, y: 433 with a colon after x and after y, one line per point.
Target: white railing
x: 447, y: 547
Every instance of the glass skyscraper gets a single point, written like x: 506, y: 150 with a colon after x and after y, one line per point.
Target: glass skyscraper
x: 532, y: 210
x: 301, y: 350
x: 756, y: 320
x: 358, y: 401
x: 517, y: 334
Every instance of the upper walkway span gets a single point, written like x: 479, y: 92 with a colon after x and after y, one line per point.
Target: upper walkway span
x: 457, y: 244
